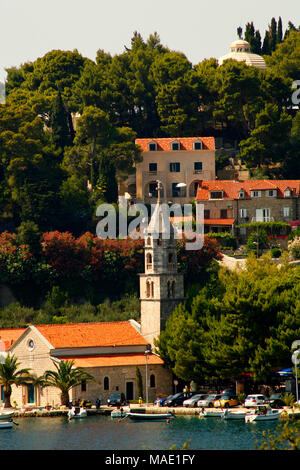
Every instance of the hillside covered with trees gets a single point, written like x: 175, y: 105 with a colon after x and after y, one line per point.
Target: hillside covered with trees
x: 68, y: 127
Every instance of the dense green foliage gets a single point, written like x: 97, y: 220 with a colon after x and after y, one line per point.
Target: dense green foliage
x: 244, y: 321
x: 69, y: 123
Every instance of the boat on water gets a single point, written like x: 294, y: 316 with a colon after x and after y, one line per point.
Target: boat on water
x: 119, y: 413
x: 228, y: 415
x: 150, y: 417
x: 6, y: 424
x: 76, y: 412
x: 211, y: 414
x: 6, y: 415
x: 263, y: 413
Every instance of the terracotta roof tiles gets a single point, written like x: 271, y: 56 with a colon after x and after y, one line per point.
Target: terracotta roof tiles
x: 231, y: 188
x: 186, y: 143
x: 119, y: 333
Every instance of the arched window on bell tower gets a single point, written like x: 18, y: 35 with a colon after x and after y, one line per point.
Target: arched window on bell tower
x: 149, y: 261
x: 169, y: 288
x: 148, y: 288
x: 173, y: 288
x: 152, y: 289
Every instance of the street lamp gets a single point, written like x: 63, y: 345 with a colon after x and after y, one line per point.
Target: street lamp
x: 296, y: 361
x: 147, y: 351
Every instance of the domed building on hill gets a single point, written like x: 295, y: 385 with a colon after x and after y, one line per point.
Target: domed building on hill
x: 240, y: 51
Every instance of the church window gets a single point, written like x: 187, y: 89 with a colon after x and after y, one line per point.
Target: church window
x: 152, y: 381
x: 106, y: 383
x: 148, y: 289
x: 173, y: 289
x: 152, y: 289
x: 149, y: 260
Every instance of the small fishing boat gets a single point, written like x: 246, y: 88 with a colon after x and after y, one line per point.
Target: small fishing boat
x: 263, y: 414
x: 119, y: 413
x: 150, y: 417
x: 228, y: 414
x: 6, y: 424
x: 211, y: 414
x: 76, y: 412
x: 6, y: 415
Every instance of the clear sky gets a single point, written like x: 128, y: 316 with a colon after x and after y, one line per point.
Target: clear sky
x: 200, y: 29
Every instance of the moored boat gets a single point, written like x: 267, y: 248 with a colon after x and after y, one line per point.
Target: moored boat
x: 119, y: 413
x: 6, y: 415
x: 150, y: 417
x: 76, y: 412
x: 211, y: 414
x: 6, y: 424
x: 228, y: 414
x: 263, y: 414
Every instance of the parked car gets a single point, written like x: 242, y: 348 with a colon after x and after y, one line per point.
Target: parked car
x: 226, y: 401
x: 276, y: 401
x: 178, y: 399
x: 254, y: 400
x: 191, y: 402
x: 208, y: 402
x: 160, y: 401
x: 116, y: 399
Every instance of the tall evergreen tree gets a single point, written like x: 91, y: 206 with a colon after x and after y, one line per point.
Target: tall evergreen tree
x: 273, y: 35
x: 266, y: 44
x: 279, y: 31
x: 59, y: 123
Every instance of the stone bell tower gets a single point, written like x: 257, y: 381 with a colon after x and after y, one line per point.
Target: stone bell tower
x: 161, y: 286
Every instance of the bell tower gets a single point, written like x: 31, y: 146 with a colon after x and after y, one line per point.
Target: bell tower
x: 161, y: 286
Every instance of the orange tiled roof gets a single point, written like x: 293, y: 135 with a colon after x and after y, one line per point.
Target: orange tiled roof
x: 72, y: 335
x: 186, y: 143
x: 114, y: 360
x: 9, y: 336
x: 231, y: 188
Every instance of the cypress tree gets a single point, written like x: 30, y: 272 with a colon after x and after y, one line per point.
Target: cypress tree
x: 279, y: 31
x: 139, y: 382
x: 59, y: 123
x: 273, y: 35
x: 107, y: 179
x: 266, y: 44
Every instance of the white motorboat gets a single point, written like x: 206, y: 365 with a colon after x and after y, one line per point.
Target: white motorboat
x: 211, y: 414
x: 228, y: 414
x: 119, y: 413
x: 6, y: 415
x: 263, y: 414
x: 77, y: 412
x: 6, y: 424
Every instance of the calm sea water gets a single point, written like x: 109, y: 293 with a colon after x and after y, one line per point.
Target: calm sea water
x: 104, y: 433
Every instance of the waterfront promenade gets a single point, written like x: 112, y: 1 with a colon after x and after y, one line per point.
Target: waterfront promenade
x: 106, y: 411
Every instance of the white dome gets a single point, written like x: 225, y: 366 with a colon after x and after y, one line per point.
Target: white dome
x: 240, y: 51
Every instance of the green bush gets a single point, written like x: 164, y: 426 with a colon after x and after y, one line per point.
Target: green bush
x: 275, y: 252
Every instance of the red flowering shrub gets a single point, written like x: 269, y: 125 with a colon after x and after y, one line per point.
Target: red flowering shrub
x: 16, y: 261
x: 191, y: 262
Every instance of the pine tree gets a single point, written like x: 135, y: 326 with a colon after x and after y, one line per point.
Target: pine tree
x: 240, y: 32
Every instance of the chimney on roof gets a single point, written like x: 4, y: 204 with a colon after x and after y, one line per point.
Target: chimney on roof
x: 235, y: 176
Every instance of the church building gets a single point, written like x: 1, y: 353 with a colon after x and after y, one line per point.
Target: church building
x: 110, y: 351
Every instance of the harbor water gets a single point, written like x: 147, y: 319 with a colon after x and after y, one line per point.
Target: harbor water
x: 105, y: 433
